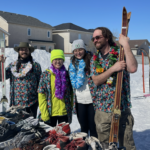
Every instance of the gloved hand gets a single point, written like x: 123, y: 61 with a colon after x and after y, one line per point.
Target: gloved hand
x: 47, y: 122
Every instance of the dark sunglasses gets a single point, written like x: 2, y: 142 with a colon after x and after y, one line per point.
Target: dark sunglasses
x: 96, y: 37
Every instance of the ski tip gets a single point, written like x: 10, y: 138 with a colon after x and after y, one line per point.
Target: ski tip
x: 147, y: 95
x: 124, y: 9
x: 129, y: 15
x: 124, y: 12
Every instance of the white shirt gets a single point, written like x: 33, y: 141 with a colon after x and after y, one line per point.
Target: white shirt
x: 83, y: 94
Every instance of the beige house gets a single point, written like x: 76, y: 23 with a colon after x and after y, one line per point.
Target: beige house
x: 65, y: 34
x: 137, y: 45
x: 26, y: 29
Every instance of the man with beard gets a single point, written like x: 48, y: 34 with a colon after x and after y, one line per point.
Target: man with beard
x: 104, y: 74
x: 24, y: 75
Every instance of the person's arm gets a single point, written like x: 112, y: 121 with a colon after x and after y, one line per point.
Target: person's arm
x: 99, y: 79
x: 70, y: 86
x: 43, y: 107
x: 42, y: 99
x: 38, y: 72
x: 130, y: 59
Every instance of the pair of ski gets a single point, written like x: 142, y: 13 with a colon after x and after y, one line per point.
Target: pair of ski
x: 113, y: 138
x: 144, y: 96
x: 3, y: 99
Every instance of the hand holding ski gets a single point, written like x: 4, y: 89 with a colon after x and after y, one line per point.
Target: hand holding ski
x: 2, y: 59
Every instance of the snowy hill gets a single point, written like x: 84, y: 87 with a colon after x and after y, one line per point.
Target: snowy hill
x: 140, y: 107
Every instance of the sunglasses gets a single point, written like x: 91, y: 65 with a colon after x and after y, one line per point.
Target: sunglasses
x: 96, y: 37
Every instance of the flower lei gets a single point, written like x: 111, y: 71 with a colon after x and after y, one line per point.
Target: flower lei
x: 113, y: 55
x: 60, y: 81
x: 23, y: 72
x: 77, y: 76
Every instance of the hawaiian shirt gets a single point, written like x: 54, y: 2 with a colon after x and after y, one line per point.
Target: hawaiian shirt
x: 92, y: 89
x: 23, y: 90
x: 45, y: 88
x: 105, y: 93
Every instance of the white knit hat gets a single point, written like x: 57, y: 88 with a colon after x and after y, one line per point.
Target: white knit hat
x: 78, y: 44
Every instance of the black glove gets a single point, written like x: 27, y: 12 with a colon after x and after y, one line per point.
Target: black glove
x: 47, y: 122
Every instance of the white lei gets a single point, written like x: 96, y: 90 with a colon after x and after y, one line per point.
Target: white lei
x: 24, y: 71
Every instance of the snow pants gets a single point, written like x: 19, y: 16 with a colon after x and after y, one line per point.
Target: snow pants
x: 32, y: 110
x: 103, y: 125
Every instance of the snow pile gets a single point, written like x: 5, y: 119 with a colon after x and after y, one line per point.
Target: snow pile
x: 140, y: 107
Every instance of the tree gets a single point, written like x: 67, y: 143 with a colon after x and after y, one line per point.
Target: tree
x: 91, y: 47
x: 115, y: 33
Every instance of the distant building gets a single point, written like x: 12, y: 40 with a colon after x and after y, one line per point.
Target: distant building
x: 3, y: 35
x: 64, y: 35
x: 26, y: 29
x: 137, y: 45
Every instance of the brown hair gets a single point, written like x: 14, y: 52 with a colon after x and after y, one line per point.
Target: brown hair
x: 87, y: 57
x: 107, y: 34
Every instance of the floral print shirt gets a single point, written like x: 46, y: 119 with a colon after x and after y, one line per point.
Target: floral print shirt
x: 45, y: 88
x: 23, y: 90
x: 105, y: 93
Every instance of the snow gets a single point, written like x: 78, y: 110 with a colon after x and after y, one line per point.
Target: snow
x: 140, y: 106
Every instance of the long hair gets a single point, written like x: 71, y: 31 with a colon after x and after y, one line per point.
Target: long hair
x: 87, y: 57
x: 107, y: 34
x: 19, y: 63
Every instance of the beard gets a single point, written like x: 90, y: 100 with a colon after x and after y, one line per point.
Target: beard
x: 26, y: 57
x: 100, y: 46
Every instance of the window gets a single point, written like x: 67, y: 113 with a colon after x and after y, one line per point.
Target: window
x: 50, y: 49
x: 43, y: 47
x: 48, y: 34
x: 15, y: 45
x: 79, y: 36
x: 35, y: 47
x: 29, y: 32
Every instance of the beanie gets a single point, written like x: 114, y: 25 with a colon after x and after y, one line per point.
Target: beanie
x: 57, y: 53
x: 78, y: 44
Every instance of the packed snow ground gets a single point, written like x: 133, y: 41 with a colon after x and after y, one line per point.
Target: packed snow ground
x: 140, y: 106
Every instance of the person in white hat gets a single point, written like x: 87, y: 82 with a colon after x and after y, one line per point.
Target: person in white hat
x: 79, y: 70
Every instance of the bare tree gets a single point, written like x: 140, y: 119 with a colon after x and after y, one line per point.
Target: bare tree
x: 91, y: 47
x: 115, y: 33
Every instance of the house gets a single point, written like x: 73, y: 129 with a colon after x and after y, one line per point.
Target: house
x: 3, y: 35
x: 64, y: 35
x: 137, y: 45
x: 140, y: 44
x: 24, y: 28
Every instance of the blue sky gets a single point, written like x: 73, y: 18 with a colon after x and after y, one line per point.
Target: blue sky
x: 86, y: 13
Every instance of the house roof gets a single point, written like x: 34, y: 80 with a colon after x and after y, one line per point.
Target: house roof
x: 41, y: 41
x: 70, y: 26
x: 23, y: 20
x: 91, y: 30
x: 132, y: 43
x: 5, y: 32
